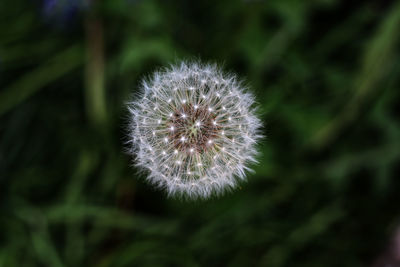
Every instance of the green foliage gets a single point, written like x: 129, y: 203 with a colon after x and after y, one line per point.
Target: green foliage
x: 326, y: 74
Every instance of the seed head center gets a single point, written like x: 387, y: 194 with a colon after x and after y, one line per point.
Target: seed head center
x: 193, y: 128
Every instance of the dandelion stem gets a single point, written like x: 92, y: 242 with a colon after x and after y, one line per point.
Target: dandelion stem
x: 95, y: 93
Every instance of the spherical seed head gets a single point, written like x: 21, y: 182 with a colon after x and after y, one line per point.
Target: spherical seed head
x: 194, y: 129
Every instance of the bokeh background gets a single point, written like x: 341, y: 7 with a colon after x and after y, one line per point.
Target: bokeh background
x: 326, y: 74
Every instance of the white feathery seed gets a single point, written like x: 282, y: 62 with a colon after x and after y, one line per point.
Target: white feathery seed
x: 194, y: 129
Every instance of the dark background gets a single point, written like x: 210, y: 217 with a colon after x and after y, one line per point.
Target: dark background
x: 326, y: 74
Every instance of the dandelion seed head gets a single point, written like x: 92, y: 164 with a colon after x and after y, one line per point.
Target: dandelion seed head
x: 197, y: 134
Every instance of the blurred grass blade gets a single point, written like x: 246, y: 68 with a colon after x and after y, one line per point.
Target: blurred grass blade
x: 43, y: 75
x: 376, y: 62
x: 95, y: 94
x: 45, y: 249
x: 42, y: 243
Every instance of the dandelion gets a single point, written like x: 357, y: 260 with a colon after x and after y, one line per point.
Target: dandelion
x: 194, y: 129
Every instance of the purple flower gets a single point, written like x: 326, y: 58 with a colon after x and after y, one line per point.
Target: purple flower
x: 62, y: 12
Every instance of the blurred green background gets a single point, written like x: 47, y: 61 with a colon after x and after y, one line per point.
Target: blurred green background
x: 326, y: 74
